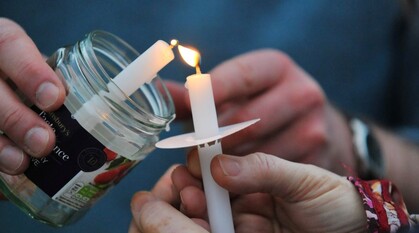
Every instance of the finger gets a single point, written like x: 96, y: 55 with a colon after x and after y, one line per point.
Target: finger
x: 133, y: 228
x: 192, y: 162
x: 182, y: 178
x: 204, y: 224
x: 164, y: 188
x: 23, y: 126
x: 299, y: 141
x: 191, y: 195
x: 153, y: 215
x: 265, y: 173
x: 21, y: 61
x: 193, y: 202
x: 13, y: 160
x: 247, y: 74
x: 250, y: 217
x: 277, y: 108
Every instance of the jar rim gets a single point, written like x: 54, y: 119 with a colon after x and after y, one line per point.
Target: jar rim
x: 104, y: 47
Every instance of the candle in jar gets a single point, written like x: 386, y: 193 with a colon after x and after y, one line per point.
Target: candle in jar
x: 140, y: 71
x: 144, y: 68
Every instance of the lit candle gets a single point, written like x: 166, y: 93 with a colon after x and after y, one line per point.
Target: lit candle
x: 202, y: 105
x: 205, y: 123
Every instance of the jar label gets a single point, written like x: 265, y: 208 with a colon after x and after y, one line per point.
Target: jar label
x: 79, y: 169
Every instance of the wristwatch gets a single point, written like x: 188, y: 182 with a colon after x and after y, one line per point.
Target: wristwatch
x: 367, y: 150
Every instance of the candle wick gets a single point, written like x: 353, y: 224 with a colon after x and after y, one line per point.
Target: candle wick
x: 198, y: 69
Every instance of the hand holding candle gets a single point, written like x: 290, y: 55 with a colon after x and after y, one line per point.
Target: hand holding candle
x: 207, y: 137
x: 206, y: 125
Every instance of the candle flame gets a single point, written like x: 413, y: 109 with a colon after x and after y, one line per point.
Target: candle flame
x: 190, y: 56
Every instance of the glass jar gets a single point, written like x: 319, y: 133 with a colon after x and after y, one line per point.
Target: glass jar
x: 100, y: 135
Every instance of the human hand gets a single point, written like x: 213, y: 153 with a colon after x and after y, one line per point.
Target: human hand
x: 297, y: 122
x: 269, y: 195
x: 22, y: 67
x: 149, y: 209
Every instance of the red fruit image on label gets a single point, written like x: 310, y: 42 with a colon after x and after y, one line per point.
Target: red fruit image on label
x: 115, y: 173
x: 110, y: 155
x: 121, y: 169
x: 106, y: 177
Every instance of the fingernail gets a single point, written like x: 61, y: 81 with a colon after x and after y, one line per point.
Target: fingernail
x: 47, y: 94
x: 36, y: 139
x: 11, y: 158
x: 229, y: 165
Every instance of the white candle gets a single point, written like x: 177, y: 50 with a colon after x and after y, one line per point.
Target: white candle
x: 206, y: 125
x: 144, y: 68
x: 202, y: 105
x: 207, y: 137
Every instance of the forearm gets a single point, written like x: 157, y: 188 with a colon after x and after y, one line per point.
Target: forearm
x: 401, y: 165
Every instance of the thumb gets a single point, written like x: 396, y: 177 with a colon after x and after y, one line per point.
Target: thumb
x: 265, y: 173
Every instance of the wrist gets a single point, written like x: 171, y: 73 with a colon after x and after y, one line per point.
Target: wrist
x: 357, y: 215
x: 384, y: 207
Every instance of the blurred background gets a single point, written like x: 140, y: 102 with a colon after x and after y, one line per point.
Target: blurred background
x: 359, y: 52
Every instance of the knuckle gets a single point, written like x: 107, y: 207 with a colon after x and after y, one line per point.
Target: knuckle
x: 263, y: 163
x: 277, y: 55
x: 245, y: 71
x: 318, y: 135
x: 10, y: 118
x: 28, y: 69
x: 281, y: 57
x: 314, y: 94
x: 249, y: 72
x: 311, y: 96
x: 9, y: 32
x: 282, y: 61
x: 265, y: 171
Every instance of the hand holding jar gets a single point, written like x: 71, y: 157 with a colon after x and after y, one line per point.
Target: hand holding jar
x: 98, y: 135
x: 23, y: 70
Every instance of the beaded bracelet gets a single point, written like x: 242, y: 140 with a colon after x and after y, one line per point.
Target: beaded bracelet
x: 384, y: 206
